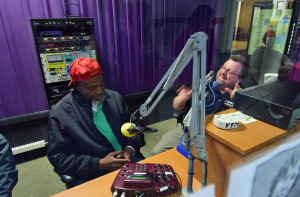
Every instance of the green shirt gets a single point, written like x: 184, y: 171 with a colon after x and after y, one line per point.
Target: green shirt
x: 104, y: 127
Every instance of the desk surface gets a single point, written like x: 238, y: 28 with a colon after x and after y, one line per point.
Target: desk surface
x: 247, y: 137
x: 243, y: 140
x: 101, y: 186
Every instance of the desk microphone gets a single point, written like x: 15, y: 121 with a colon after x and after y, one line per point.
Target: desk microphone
x: 129, y: 129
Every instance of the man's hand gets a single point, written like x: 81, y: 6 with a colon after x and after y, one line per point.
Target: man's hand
x: 113, y: 161
x: 126, y: 154
x: 232, y: 92
x: 183, y: 95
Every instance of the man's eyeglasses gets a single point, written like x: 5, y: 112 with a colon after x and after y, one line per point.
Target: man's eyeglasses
x: 229, y: 71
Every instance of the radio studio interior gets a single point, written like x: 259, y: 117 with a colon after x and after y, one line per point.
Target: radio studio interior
x: 150, y: 98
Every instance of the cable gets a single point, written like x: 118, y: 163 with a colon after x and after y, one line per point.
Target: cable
x: 213, y: 94
x: 132, y: 125
x: 201, y: 160
x: 181, y: 145
x: 163, y: 177
x: 205, y: 165
x: 189, y: 152
x: 180, y: 184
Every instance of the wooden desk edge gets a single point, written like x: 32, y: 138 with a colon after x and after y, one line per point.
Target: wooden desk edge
x: 94, y: 187
x: 241, y: 151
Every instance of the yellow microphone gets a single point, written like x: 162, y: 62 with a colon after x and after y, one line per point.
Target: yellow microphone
x: 130, y: 129
x: 125, y: 129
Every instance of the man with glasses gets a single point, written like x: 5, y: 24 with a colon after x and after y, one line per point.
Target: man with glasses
x: 218, y: 99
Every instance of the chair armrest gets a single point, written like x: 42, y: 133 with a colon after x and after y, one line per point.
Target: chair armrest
x: 179, y: 115
x: 66, y: 178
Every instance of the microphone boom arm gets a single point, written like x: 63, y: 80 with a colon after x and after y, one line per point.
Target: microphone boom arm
x: 195, y: 49
x: 171, y: 75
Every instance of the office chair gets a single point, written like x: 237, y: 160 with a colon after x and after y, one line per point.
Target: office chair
x: 179, y: 115
x: 67, y: 180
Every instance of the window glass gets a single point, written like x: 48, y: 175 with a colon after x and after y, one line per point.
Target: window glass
x: 261, y: 33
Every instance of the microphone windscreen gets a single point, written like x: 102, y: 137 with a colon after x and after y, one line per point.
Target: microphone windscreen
x: 125, y: 130
x: 215, y: 85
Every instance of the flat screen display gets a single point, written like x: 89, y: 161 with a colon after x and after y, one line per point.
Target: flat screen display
x: 85, y: 54
x: 55, y: 58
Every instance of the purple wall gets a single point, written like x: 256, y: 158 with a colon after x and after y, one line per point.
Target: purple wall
x: 137, y: 42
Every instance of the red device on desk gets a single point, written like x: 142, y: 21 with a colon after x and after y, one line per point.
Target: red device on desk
x: 145, y: 179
